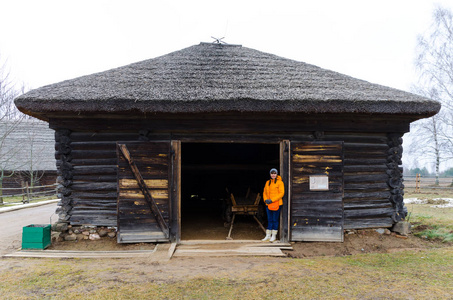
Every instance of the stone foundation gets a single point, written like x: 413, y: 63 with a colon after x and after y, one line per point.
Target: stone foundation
x: 67, y: 232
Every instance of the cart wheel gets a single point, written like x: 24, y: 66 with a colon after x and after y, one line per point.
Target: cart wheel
x: 228, y: 215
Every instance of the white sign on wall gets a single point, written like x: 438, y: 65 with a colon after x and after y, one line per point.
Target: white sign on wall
x: 319, y: 183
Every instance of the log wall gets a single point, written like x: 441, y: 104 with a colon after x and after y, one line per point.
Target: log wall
x: 87, y: 162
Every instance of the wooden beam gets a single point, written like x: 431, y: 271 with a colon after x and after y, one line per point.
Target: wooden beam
x: 143, y: 187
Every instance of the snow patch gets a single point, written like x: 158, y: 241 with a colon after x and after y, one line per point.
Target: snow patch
x: 425, y: 201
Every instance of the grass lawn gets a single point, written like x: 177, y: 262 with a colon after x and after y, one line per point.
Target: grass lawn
x: 411, y: 274
x: 405, y: 275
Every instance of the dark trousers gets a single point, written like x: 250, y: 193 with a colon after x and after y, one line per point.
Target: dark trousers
x: 272, y: 218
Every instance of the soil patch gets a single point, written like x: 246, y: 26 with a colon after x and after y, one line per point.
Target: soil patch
x: 360, y: 241
x: 363, y: 241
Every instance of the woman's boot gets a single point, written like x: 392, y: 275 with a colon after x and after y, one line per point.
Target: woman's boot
x: 268, y: 236
x: 274, y: 236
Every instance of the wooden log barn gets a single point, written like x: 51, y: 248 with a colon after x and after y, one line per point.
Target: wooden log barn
x: 147, y: 146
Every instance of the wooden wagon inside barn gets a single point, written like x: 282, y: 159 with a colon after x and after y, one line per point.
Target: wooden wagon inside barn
x: 151, y: 147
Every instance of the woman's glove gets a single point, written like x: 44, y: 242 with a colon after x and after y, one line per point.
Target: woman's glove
x: 268, y: 201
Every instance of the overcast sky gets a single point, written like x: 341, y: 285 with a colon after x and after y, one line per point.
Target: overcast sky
x: 49, y: 41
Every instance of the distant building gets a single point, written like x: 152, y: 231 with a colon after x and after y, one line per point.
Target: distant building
x: 27, y: 151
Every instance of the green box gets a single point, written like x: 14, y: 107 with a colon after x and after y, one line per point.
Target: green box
x: 36, y: 236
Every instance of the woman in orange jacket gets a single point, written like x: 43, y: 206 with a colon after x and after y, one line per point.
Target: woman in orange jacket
x: 274, y: 190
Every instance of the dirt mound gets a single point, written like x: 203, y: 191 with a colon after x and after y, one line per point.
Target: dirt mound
x: 363, y: 241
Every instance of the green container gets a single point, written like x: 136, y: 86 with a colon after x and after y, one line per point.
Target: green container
x: 36, y: 236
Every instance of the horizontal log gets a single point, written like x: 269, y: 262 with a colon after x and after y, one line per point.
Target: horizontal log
x: 86, y: 211
x: 380, y: 194
x: 317, y: 212
x: 306, y: 159
x: 94, y: 186
x: 365, y: 168
x: 332, y: 171
x: 365, y: 178
x: 301, y: 222
x: 358, y: 157
x: 315, y: 215
x: 363, y: 223
x: 147, y: 173
x: 370, y: 138
x: 151, y: 148
x: 364, y: 147
x: 94, y: 161
x: 316, y: 197
x: 366, y: 204
x: 366, y: 186
x: 94, y: 220
x: 94, y: 145
x: 95, y: 178
x: 320, y: 148
x: 95, y: 170
x: 370, y: 212
x: 90, y: 154
x: 140, y: 212
x: 151, y: 183
x: 102, y: 136
x: 91, y: 203
x: 135, y: 195
x: 91, y: 194
x: 369, y: 161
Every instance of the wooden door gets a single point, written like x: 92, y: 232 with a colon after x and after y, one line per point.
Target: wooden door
x: 316, y: 191
x: 143, y: 191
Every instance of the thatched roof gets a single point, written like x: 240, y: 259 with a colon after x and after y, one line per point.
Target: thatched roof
x: 27, y: 145
x: 221, y: 78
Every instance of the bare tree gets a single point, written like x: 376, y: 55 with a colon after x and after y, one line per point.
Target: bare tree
x: 35, y: 152
x: 433, y: 137
x: 10, y: 117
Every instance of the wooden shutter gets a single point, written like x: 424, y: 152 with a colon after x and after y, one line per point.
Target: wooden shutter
x: 316, y: 215
x: 143, y: 191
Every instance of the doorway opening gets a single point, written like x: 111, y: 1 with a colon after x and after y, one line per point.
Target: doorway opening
x: 210, y: 173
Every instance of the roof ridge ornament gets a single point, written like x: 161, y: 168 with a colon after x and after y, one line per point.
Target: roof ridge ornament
x: 218, y: 41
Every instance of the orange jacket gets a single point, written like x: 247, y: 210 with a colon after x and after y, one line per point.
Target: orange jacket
x: 275, y: 191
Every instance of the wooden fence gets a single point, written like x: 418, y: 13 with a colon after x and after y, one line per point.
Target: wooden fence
x: 28, y: 194
x: 412, y: 182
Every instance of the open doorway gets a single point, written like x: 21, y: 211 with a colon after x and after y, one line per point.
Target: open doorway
x: 210, y: 173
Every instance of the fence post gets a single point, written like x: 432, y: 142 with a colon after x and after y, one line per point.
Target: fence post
x: 23, y: 191
x: 417, y: 183
x: 28, y: 192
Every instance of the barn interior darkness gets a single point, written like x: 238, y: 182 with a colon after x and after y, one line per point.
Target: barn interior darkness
x: 210, y: 173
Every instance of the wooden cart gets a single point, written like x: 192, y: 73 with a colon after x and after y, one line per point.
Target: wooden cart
x: 244, y: 206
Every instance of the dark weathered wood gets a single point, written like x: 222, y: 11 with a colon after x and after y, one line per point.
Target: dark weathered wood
x: 175, y: 192
x: 145, y: 190
x: 215, y: 122
x: 316, y: 215
x: 94, y: 178
x: 94, y: 186
x: 369, y: 212
x: 93, y: 154
x: 94, y: 161
x: 361, y: 223
x: 284, y: 171
x: 87, y: 157
x: 365, y: 178
x: 92, y: 170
